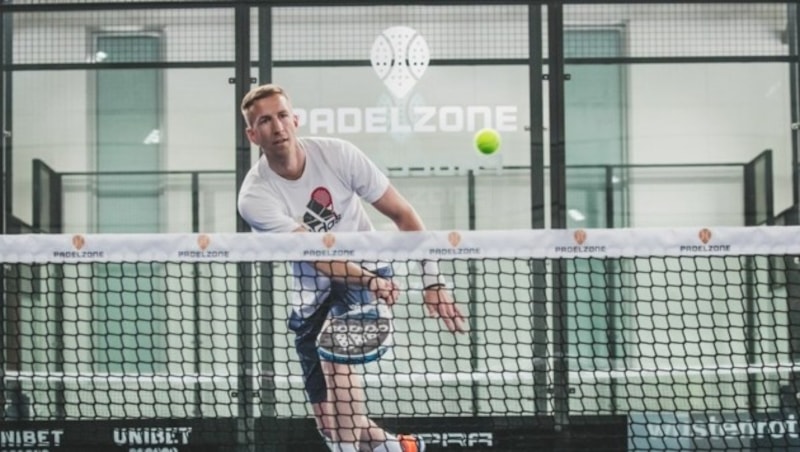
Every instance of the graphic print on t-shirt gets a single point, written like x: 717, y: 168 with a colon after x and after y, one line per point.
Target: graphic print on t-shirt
x: 320, y: 216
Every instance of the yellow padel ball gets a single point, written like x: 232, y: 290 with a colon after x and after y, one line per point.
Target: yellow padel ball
x: 487, y: 141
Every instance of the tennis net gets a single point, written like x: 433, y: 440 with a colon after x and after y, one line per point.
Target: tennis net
x: 635, y: 339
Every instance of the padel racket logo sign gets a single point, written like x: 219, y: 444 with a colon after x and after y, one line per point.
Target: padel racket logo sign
x: 454, y: 238
x: 579, y: 236
x: 320, y: 214
x: 704, y: 235
x: 399, y: 57
x: 203, y: 241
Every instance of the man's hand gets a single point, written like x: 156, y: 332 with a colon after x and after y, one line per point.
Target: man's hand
x: 384, y: 289
x: 440, y: 304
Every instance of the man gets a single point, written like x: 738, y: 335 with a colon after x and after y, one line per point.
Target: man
x: 316, y: 185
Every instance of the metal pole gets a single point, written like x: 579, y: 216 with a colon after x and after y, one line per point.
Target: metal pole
x: 555, y: 27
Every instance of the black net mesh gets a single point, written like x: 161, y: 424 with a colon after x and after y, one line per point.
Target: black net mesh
x: 659, y: 352
x: 70, y: 37
x: 456, y: 32
x: 306, y: 34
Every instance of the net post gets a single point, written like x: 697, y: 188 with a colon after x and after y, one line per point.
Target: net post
x: 538, y: 267
x: 609, y: 179
x: 195, y: 183
x: 3, y: 361
x: 560, y: 349
x: 473, y: 294
x: 473, y: 334
x: 612, y: 267
x: 246, y: 390
x: 270, y: 433
x: 198, y: 388
x: 245, y: 435
x: 471, y: 199
x: 195, y: 202
x: 751, y: 332
x: 540, y: 329
x: 58, y: 333
x: 555, y: 32
x: 267, y: 349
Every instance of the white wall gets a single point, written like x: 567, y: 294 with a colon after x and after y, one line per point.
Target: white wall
x: 706, y: 113
x: 51, y: 116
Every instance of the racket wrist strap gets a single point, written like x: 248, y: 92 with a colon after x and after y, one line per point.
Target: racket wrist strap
x: 430, y: 275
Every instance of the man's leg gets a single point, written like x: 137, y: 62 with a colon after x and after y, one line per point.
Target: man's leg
x: 339, y: 399
x: 343, y: 416
x: 344, y: 413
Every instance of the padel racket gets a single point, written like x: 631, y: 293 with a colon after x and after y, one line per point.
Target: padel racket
x: 359, y: 336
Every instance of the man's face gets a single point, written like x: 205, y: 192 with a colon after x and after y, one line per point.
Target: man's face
x: 273, y: 125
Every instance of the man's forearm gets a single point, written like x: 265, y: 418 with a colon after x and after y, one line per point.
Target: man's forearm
x: 345, y: 271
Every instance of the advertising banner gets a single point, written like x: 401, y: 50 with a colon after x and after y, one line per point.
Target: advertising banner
x: 155, y: 435
x: 729, y: 431
x: 474, y: 434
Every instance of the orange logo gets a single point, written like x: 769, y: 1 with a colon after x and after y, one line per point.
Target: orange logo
x: 78, y: 241
x: 203, y: 240
x: 454, y: 238
x: 579, y: 236
x: 328, y: 240
x: 705, y: 235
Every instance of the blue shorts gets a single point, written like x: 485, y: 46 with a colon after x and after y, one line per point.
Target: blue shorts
x: 339, y: 301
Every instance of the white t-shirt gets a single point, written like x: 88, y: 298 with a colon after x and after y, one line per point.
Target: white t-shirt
x: 326, y: 197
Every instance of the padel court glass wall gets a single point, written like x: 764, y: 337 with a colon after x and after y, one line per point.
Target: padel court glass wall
x: 122, y: 117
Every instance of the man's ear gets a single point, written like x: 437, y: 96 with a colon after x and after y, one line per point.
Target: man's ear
x: 250, y: 134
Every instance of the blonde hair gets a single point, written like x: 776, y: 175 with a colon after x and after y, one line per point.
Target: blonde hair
x: 260, y: 92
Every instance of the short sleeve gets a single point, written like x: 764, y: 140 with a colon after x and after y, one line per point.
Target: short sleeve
x: 366, y: 179
x: 262, y: 211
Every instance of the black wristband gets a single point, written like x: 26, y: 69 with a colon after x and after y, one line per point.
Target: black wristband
x: 434, y: 286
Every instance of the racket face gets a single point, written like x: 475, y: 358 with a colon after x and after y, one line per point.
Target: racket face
x: 357, y: 337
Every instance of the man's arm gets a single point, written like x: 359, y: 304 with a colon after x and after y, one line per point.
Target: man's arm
x: 352, y: 273
x: 437, y: 298
x: 399, y: 210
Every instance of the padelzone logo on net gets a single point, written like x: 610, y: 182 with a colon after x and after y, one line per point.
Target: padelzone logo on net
x: 705, y: 237
x: 202, y: 251
x: 79, y: 250
x: 454, y: 238
x: 579, y: 244
x: 327, y: 249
